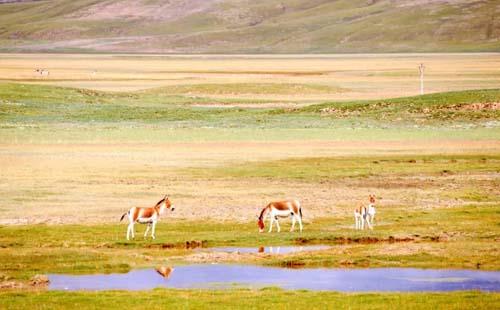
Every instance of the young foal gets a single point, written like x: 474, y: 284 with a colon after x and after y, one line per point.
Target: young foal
x: 143, y: 215
x: 371, y: 209
x: 365, y: 215
x: 277, y: 209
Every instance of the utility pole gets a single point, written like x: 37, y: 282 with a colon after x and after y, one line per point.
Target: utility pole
x: 421, y: 69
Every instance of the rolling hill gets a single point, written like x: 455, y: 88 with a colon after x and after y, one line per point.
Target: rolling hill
x: 244, y: 26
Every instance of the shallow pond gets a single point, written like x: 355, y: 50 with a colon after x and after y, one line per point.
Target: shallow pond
x: 269, y: 249
x: 215, y: 276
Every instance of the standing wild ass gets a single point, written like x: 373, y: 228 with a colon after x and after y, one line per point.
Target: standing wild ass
x: 145, y: 215
x: 365, y: 215
x: 277, y: 209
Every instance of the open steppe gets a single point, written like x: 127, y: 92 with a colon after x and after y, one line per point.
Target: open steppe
x: 224, y: 135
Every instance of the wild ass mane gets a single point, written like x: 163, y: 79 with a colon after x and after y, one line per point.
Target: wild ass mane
x: 159, y: 202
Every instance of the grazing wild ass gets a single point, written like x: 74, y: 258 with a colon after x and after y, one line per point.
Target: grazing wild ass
x: 144, y: 215
x: 364, y: 215
x: 277, y: 209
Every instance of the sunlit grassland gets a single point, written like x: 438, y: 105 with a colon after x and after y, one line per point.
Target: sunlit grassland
x: 22, y: 102
x: 459, y: 237
x: 252, y: 88
x: 455, y: 227
x: 322, y: 169
x: 266, y: 298
x: 259, y: 78
x: 35, y: 113
x: 133, y: 133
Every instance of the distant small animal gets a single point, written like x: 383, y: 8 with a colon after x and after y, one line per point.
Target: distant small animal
x: 279, y: 209
x: 144, y: 215
x: 42, y: 72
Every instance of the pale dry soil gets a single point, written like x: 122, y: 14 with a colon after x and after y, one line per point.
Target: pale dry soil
x: 91, y: 183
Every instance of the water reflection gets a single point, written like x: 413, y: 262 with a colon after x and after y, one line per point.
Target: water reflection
x: 346, y: 280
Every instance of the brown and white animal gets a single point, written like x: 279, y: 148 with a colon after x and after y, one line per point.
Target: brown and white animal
x: 279, y: 209
x: 371, y: 209
x: 360, y: 217
x: 144, y: 215
x: 364, y: 215
x: 42, y: 72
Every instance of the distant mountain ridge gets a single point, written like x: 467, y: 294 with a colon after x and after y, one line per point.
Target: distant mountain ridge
x: 245, y: 26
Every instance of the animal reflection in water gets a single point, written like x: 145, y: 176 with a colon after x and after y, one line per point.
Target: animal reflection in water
x: 165, y: 271
x: 144, y: 215
x: 365, y: 215
x: 279, y: 209
x: 277, y: 250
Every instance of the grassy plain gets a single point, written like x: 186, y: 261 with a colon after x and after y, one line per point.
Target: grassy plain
x: 268, y: 298
x: 250, y: 78
x: 74, y: 159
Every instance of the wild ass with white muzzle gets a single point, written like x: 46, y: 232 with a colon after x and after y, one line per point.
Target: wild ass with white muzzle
x: 278, y: 209
x: 145, y: 215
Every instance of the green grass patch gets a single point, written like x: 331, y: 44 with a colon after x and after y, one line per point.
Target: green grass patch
x: 267, y: 298
x: 21, y: 103
x: 461, y: 237
x: 440, y: 106
x: 324, y: 168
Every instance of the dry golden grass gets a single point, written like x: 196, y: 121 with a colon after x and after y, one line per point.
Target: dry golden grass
x: 73, y: 183
x: 359, y: 76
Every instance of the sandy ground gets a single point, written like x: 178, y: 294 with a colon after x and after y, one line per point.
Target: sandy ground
x: 75, y: 183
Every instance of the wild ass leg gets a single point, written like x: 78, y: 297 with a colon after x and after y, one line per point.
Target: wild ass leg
x: 278, y: 224
x: 271, y: 224
x: 153, y: 230
x: 293, y: 222
x: 130, y: 231
x: 300, y: 222
x: 146, y: 232
x: 368, y: 222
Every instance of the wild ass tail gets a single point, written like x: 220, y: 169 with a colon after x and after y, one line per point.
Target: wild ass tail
x: 300, y: 212
x: 121, y: 218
